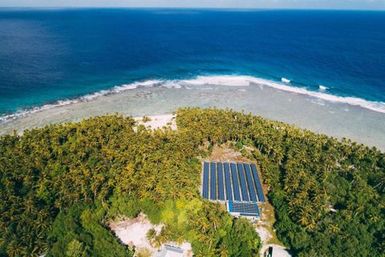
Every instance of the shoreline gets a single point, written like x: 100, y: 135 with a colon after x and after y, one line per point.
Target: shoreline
x: 223, y: 80
x: 318, y: 115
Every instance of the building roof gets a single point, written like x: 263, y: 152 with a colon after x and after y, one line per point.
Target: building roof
x: 170, y: 251
x: 276, y: 251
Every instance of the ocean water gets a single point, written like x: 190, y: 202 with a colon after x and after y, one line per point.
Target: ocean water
x: 48, y: 56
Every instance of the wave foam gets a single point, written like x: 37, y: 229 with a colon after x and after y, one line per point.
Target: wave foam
x: 85, y: 98
x: 355, y: 101
x: 322, y: 88
x: 224, y: 80
x: 285, y: 80
x: 235, y: 80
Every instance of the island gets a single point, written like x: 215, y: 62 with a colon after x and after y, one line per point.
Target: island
x: 67, y: 188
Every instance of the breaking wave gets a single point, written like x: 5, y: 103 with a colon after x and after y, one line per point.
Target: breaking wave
x: 85, y: 98
x: 233, y: 80
x: 224, y: 80
x: 285, y: 80
x: 322, y: 88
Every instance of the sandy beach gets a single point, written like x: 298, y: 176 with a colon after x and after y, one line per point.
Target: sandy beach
x: 337, y: 119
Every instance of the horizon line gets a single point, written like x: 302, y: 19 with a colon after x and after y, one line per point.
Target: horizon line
x: 193, y: 8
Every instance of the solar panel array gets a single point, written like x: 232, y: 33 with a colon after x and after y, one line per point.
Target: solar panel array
x: 244, y: 209
x: 237, y: 182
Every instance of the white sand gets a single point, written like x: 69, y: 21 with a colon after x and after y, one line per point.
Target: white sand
x: 187, y: 249
x: 133, y: 232
x: 262, y: 229
x: 265, y: 230
x: 159, y: 121
x: 264, y: 234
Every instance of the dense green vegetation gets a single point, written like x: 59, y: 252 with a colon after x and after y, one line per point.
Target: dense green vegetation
x: 60, y: 185
x: 78, y: 232
x: 329, y: 196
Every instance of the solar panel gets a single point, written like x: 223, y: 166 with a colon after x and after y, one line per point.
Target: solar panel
x: 257, y: 183
x: 241, y: 173
x: 249, y: 214
x: 250, y: 182
x: 231, y: 181
x: 221, y: 188
x: 213, y: 181
x: 234, y: 176
x: 205, y: 187
x: 229, y: 190
x: 245, y: 209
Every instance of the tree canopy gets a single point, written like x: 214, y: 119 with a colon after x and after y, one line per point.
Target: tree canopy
x: 329, y: 195
x: 60, y: 184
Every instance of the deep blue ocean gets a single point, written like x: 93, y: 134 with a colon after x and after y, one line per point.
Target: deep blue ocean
x: 54, y: 54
